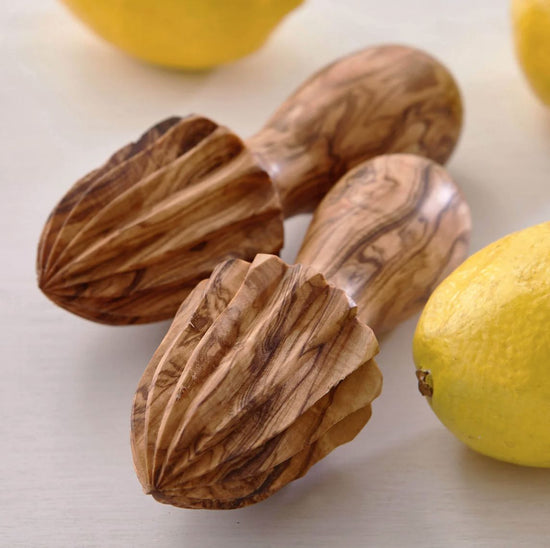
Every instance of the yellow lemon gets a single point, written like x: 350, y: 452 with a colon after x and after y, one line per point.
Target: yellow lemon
x: 482, y: 349
x: 531, y: 22
x: 190, y: 34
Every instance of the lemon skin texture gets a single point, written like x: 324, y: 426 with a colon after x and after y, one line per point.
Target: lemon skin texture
x: 187, y: 34
x: 531, y: 25
x: 483, y: 345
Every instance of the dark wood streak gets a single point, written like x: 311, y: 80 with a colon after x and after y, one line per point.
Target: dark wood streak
x: 390, y: 220
x: 399, y: 100
x: 387, y: 234
x: 101, y: 185
x: 131, y: 239
x: 265, y: 386
x: 95, y: 273
x: 281, y: 371
x: 254, y: 381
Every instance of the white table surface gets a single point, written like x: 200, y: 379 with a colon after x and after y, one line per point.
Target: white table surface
x: 67, y: 101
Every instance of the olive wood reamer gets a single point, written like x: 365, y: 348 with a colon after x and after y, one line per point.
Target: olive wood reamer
x: 267, y: 367
x: 130, y: 240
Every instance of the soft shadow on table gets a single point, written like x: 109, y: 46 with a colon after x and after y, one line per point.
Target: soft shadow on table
x: 295, y: 231
x: 330, y: 497
x: 496, y: 473
x: 546, y: 121
x: 362, y: 494
x: 109, y: 364
x: 121, y: 350
x: 108, y: 91
x: 480, y: 195
x: 497, y: 480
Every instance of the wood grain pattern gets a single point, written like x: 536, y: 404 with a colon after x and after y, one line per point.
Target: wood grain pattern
x: 130, y: 240
x: 264, y: 370
x: 388, y: 233
x: 268, y: 367
x: 140, y: 233
x: 380, y: 100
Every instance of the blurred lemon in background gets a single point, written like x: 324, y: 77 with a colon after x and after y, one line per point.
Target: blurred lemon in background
x: 531, y: 23
x: 190, y: 34
x: 482, y: 349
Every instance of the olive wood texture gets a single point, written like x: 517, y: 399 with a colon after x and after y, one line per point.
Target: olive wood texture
x: 387, y: 234
x: 131, y: 239
x: 382, y: 100
x: 267, y: 367
x: 264, y: 370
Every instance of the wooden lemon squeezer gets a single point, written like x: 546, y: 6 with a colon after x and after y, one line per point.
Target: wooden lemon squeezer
x: 130, y: 240
x: 267, y: 367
